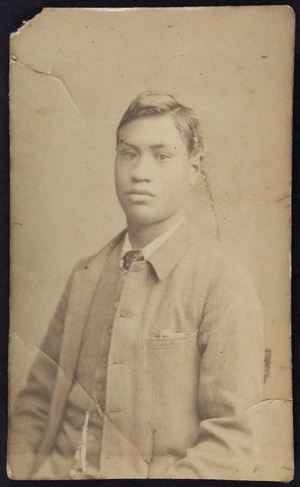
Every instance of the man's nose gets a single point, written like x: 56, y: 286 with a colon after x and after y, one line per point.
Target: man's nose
x: 143, y: 169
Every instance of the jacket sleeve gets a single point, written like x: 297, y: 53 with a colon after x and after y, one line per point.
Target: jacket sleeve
x: 30, y: 412
x: 230, y: 382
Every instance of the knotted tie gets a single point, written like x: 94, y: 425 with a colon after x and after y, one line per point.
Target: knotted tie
x: 132, y: 256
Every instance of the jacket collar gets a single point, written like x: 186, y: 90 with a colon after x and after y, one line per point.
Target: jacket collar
x: 164, y: 259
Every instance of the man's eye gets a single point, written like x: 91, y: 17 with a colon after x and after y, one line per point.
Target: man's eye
x: 162, y: 156
x: 129, y: 155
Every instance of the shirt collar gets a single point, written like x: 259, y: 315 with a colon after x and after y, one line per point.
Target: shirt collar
x: 152, y: 246
x: 164, y: 254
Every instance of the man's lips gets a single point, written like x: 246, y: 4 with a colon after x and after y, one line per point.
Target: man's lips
x: 139, y: 192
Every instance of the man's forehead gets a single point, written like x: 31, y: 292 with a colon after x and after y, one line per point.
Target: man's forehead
x: 152, y: 131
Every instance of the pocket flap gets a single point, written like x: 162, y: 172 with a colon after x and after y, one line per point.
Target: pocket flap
x: 188, y: 341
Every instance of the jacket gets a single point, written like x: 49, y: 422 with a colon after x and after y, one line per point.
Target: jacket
x: 185, y: 367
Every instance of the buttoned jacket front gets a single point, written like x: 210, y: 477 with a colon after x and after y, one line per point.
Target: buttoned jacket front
x: 185, y: 366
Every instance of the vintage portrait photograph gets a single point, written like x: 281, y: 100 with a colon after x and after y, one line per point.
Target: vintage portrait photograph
x: 150, y: 330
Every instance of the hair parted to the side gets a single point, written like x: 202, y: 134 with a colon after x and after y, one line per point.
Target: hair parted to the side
x: 151, y: 103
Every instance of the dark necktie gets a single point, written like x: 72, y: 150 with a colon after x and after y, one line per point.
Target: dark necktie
x: 132, y: 256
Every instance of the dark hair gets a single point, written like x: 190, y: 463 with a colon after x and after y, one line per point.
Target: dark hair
x: 151, y: 103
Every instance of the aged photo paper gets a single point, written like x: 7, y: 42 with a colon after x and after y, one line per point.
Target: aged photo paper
x: 169, y: 354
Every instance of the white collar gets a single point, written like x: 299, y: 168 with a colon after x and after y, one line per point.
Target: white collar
x: 152, y: 246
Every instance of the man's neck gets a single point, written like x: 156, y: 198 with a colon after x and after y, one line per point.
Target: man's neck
x: 140, y: 236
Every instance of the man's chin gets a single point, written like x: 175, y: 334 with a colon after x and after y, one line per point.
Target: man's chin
x: 146, y: 220
x: 143, y: 218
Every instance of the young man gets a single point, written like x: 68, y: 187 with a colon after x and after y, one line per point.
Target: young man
x: 153, y: 363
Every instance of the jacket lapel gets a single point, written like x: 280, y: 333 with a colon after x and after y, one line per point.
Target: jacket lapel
x: 83, y: 288
x: 165, y: 258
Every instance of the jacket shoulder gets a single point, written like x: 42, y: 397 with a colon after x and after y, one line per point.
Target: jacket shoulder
x: 212, y: 252
x: 212, y: 259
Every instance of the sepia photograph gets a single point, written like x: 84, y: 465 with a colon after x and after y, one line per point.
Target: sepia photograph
x: 150, y: 328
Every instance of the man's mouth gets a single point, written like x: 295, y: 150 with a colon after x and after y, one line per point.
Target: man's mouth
x: 139, y: 196
x: 139, y: 192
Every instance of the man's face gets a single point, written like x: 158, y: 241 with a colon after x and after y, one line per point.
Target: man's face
x: 153, y: 170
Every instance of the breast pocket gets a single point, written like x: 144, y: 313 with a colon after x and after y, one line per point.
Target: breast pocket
x: 172, y: 380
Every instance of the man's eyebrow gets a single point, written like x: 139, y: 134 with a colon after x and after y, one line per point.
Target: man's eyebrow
x: 159, y: 146
x: 124, y: 141
x: 153, y: 146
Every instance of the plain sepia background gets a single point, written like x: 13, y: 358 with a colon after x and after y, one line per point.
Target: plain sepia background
x: 73, y: 74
